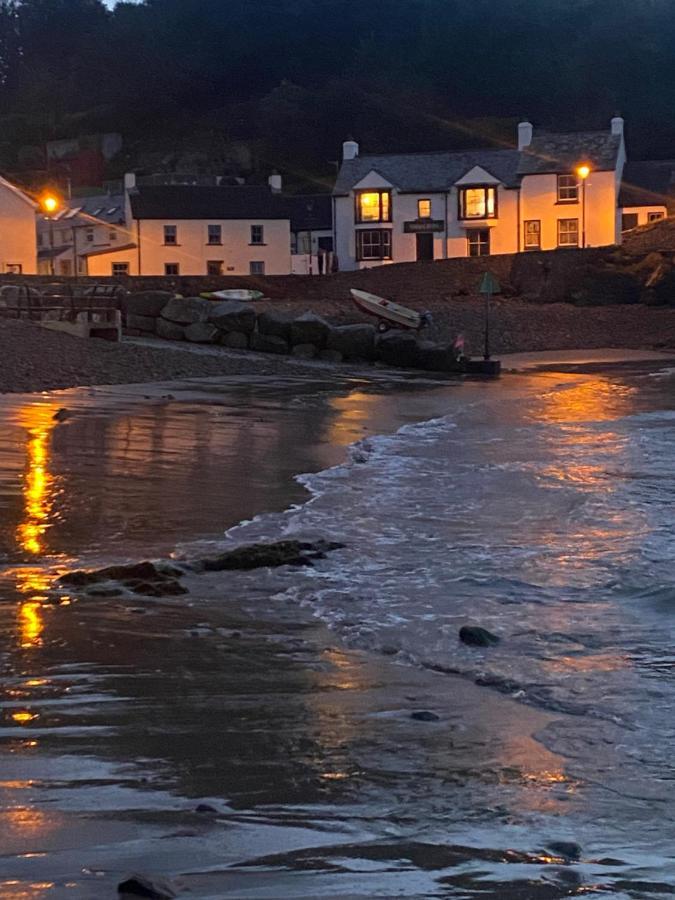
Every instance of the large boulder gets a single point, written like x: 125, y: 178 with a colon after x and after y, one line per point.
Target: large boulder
x: 235, y: 340
x: 437, y: 357
x: 304, y: 351
x: 268, y: 343
x: 202, y: 333
x: 147, y: 303
x: 275, y: 323
x: 606, y: 287
x: 229, y: 315
x: 169, y: 330
x: 353, y: 341
x: 310, y: 329
x: 398, y: 348
x: 142, y: 323
x: 280, y: 553
x: 186, y: 310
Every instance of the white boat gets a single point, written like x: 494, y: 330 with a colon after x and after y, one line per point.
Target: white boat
x: 389, y: 314
x: 233, y: 294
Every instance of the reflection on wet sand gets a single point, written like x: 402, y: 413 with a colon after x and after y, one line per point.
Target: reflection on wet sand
x: 38, y: 483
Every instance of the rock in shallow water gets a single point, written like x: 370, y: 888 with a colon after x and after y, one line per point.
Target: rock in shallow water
x: 139, y: 578
x: 281, y: 553
x: 145, y: 886
x: 476, y: 636
x: 425, y: 715
x: 566, y: 849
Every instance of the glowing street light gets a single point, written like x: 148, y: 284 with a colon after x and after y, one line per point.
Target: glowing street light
x: 50, y: 203
x: 583, y: 171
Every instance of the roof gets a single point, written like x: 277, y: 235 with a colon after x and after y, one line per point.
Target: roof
x: 103, y: 209
x: 17, y: 191
x: 53, y: 252
x: 105, y: 250
x: 310, y: 212
x: 175, y: 202
x: 563, y: 152
x: 428, y: 171
x: 649, y: 183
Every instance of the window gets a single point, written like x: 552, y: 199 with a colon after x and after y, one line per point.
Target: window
x: 257, y: 234
x: 215, y: 235
x: 373, y: 206
x: 373, y: 244
x: 478, y: 203
x: 112, y: 235
x: 171, y: 269
x: 655, y: 216
x: 533, y: 234
x: 170, y: 234
x: 325, y: 244
x: 629, y: 221
x: 14, y: 268
x: 568, y: 189
x: 257, y: 268
x: 214, y: 267
x: 568, y: 232
x: 120, y: 268
x: 89, y: 235
x: 424, y: 209
x: 478, y: 242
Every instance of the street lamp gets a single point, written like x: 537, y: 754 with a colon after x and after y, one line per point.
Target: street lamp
x: 50, y: 203
x: 583, y: 172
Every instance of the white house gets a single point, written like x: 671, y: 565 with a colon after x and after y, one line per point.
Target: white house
x: 552, y: 191
x: 647, y: 193
x: 18, y: 255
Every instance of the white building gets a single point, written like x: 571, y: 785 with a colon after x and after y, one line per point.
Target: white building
x: 553, y: 191
x: 87, y: 226
x: 18, y: 255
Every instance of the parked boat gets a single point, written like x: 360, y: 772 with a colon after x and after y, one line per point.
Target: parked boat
x: 389, y: 315
x: 233, y: 294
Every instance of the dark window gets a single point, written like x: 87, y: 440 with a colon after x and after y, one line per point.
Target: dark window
x: 257, y: 234
x: 568, y: 189
x: 170, y: 234
x: 373, y: 206
x: 14, y: 268
x: 629, y: 221
x: 214, y: 267
x: 478, y: 242
x: 171, y: 269
x: 89, y: 235
x: 373, y: 243
x: 112, y: 235
x: 120, y: 268
x: 478, y: 203
x: 215, y: 234
x: 325, y: 244
x: 532, y: 234
x: 568, y: 232
x: 655, y: 216
x: 257, y: 268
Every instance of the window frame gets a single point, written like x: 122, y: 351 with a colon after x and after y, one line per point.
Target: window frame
x: 569, y: 187
x: 258, y: 263
x: 565, y: 246
x: 168, y: 274
x: 209, y: 237
x: 655, y: 216
x: 167, y: 232
x: 536, y: 246
x: 215, y: 262
x: 461, y: 202
x: 383, y: 244
x: 420, y: 214
x: 115, y: 274
x: 358, y: 212
x: 470, y: 233
x: 257, y: 243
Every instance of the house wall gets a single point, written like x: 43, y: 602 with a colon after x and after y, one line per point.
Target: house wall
x: 503, y: 228
x: 643, y: 212
x: 101, y: 265
x: 17, y: 232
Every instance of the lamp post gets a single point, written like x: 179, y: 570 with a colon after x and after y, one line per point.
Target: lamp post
x: 583, y: 172
x: 50, y: 203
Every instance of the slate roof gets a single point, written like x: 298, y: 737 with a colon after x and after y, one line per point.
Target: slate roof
x: 561, y: 153
x: 419, y: 172
x: 176, y: 202
x: 648, y: 183
x: 310, y: 212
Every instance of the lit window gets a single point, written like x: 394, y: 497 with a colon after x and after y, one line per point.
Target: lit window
x: 424, y: 209
x: 120, y: 268
x: 170, y: 234
x: 478, y: 242
x: 373, y: 206
x: 257, y: 234
x: 214, y: 267
x: 655, y: 216
x: 257, y: 268
x: 568, y: 189
x: 533, y: 234
x: 215, y: 234
x: 373, y: 244
x: 568, y: 232
x: 171, y: 269
x: 478, y: 203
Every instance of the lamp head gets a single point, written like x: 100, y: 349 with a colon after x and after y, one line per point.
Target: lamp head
x: 583, y: 171
x: 49, y: 203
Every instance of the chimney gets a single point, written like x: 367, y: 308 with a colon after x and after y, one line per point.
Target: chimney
x: 617, y: 125
x: 275, y: 182
x: 350, y: 149
x: 129, y: 181
x: 525, y: 132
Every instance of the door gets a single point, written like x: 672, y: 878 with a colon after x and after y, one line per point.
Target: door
x: 425, y: 246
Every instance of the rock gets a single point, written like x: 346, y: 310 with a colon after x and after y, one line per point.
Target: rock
x: 229, y: 315
x: 139, y: 578
x: 353, y: 341
x: 332, y: 356
x: 310, y: 329
x: 146, y: 303
x: 607, y: 287
x: 169, y: 330
x: 202, y: 333
x: 163, y: 587
x: 476, y: 636
x: 235, y: 340
x: 142, y: 323
x: 280, y: 553
x: 304, y: 351
x: 186, y: 310
x: 275, y: 323
x: 206, y: 809
x: 566, y: 849
x: 424, y: 715
x: 268, y: 343
x: 437, y: 357
x: 398, y: 348
x: 151, y: 888
x: 61, y: 414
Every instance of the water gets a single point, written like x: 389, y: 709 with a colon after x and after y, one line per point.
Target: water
x: 540, y: 508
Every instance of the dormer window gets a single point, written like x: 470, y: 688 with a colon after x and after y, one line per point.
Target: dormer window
x: 373, y: 206
x: 479, y: 202
x: 568, y: 189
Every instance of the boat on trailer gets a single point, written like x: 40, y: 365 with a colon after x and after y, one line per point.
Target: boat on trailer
x: 389, y: 314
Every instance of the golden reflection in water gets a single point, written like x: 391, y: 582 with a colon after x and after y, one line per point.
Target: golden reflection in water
x: 23, y: 717
x: 38, y: 484
x: 34, y: 584
x: 352, y: 412
x: 591, y: 399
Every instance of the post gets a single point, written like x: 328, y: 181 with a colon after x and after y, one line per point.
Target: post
x: 583, y: 214
x: 52, y: 269
x: 486, y: 355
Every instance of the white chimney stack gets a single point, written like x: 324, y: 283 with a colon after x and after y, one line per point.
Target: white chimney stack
x: 350, y: 149
x: 275, y: 182
x: 525, y: 132
x: 617, y: 125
